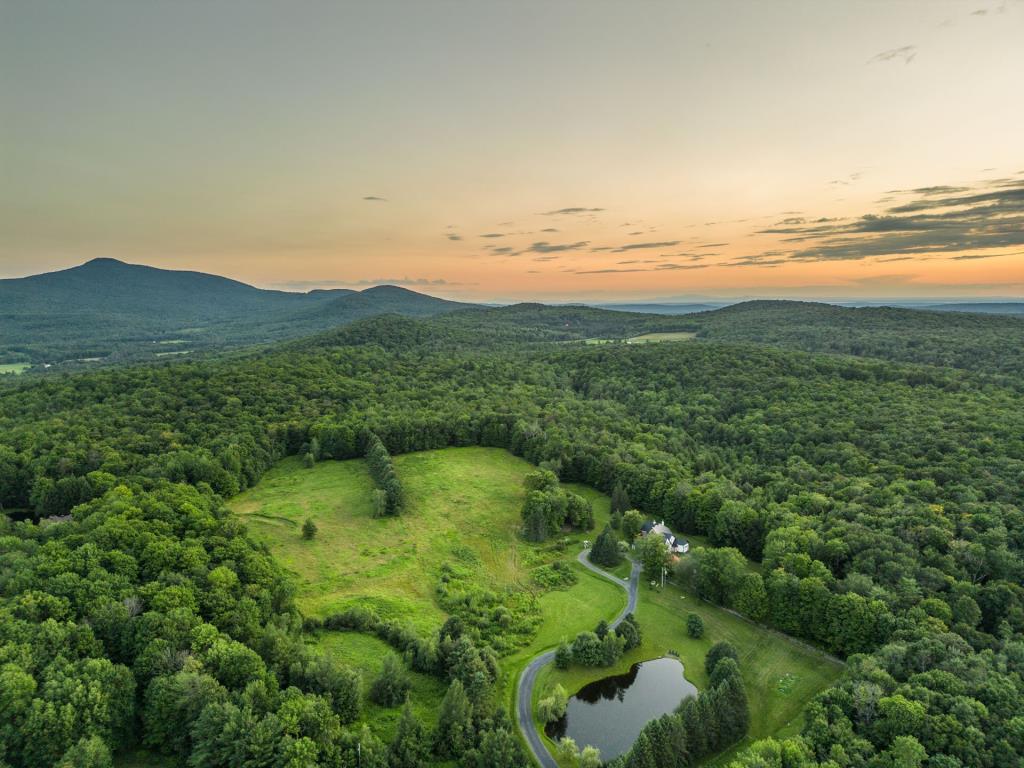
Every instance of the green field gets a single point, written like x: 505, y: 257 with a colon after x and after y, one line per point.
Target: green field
x: 647, y: 338
x: 653, y: 338
x: 780, y: 675
x: 468, y: 499
x: 14, y: 368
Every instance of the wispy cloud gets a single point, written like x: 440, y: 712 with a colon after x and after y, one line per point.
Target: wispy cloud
x: 543, y: 246
x: 375, y: 199
x: 492, y: 235
x: 571, y: 211
x: 453, y: 236
x: 642, y: 246
x: 906, y: 54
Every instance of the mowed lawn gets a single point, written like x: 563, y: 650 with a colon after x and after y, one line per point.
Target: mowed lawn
x: 780, y: 675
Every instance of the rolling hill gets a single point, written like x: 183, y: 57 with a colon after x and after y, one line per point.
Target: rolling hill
x: 986, y: 343
x: 111, y: 310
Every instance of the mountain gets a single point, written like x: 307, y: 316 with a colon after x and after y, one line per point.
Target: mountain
x: 112, y: 310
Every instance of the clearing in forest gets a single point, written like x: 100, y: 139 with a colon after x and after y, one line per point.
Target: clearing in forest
x: 463, y: 506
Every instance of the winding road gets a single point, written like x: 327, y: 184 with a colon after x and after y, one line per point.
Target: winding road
x: 524, y: 693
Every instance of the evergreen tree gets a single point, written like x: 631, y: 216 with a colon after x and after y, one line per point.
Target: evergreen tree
x: 723, y: 649
x: 308, y: 529
x: 620, y: 499
x: 455, y: 731
x: 694, y: 625
x: 499, y: 748
x: 629, y: 631
x: 605, y: 551
x: 723, y: 670
x: 611, y: 649
x: 642, y: 753
x: 409, y: 748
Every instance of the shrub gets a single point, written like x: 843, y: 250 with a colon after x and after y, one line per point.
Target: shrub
x: 694, y: 625
x: 309, y: 529
x: 563, y: 656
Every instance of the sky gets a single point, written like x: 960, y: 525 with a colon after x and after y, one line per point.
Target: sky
x: 522, y: 150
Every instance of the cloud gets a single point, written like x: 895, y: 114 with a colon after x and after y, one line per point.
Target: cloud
x: 640, y: 246
x: 571, y: 211
x: 971, y: 256
x: 664, y: 267
x: 713, y: 245
x: 608, y: 271
x: 944, y: 219
x: 543, y: 246
x: 503, y: 250
x: 492, y: 235
x: 452, y: 236
x: 906, y: 54
x: 549, y: 229
x: 375, y: 199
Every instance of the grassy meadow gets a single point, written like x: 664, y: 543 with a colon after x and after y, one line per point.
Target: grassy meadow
x: 14, y: 368
x: 467, y: 500
x: 457, y: 499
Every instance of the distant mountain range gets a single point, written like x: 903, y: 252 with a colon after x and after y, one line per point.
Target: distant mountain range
x: 662, y: 308
x: 109, y: 309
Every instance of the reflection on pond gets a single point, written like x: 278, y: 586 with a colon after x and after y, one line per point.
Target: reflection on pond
x: 610, y: 713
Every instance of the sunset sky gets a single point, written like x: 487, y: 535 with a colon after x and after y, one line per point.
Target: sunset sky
x: 522, y: 150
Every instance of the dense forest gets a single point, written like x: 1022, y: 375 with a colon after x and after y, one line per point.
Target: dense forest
x: 881, y: 496
x: 965, y: 339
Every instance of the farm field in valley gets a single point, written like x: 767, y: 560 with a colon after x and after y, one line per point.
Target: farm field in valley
x: 14, y: 368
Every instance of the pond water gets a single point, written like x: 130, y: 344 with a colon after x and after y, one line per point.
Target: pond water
x: 610, y: 713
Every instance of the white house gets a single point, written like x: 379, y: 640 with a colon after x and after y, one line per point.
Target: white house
x: 675, y: 545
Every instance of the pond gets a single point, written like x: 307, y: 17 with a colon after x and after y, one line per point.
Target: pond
x: 610, y: 713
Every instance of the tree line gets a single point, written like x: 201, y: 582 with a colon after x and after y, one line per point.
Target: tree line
x: 389, y: 498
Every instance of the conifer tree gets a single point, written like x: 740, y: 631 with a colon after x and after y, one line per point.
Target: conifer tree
x: 454, y: 733
x: 409, y: 749
x: 605, y: 551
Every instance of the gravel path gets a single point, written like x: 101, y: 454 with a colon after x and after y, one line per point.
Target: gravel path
x: 524, y: 694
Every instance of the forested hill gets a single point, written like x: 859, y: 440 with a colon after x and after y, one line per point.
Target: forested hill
x: 989, y: 343
x: 884, y: 501
x: 113, y: 311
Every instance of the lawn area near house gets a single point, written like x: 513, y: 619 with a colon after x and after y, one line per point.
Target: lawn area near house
x: 780, y: 675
